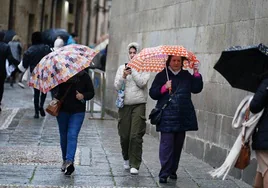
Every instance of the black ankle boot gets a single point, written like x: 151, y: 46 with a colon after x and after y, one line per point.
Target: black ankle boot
x: 42, y: 112
x: 69, y: 168
x: 36, y: 116
x: 173, y: 176
x: 162, y: 180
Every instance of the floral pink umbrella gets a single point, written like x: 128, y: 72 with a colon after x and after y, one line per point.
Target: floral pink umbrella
x: 60, y: 65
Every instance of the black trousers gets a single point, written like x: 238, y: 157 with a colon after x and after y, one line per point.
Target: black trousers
x: 38, y: 105
x: 2, y: 82
x: 170, y: 148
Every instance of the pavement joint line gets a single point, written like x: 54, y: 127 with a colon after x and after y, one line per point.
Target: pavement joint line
x: 155, y: 179
x: 32, y: 177
x: 90, y: 156
x: 192, y: 178
x: 106, y: 156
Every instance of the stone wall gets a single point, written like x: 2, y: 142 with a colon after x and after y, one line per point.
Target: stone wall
x: 27, y: 17
x: 206, y: 27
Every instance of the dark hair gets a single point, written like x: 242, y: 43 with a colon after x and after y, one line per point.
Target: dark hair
x: 74, y: 35
x: 37, y: 38
x: 132, y: 47
x: 169, y: 59
x: 2, y: 35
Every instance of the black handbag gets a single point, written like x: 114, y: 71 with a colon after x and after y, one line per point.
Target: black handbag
x: 156, y: 113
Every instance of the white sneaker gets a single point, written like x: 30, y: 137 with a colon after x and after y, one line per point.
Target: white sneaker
x: 126, y: 165
x: 134, y: 171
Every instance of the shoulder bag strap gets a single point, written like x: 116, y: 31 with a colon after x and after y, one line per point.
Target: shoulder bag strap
x: 62, y: 98
x: 170, y: 98
x: 123, y: 86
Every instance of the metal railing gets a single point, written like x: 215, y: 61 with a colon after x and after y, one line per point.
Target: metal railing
x: 99, y: 81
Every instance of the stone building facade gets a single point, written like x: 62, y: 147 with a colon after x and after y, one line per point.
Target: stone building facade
x: 205, y: 27
x: 87, y: 18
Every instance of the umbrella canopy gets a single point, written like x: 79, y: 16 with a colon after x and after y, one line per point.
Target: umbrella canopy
x: 242, y: 66
x: 50, y: 35
x: 60, y: 65
x: 9, y: 34
x: 154, y: 59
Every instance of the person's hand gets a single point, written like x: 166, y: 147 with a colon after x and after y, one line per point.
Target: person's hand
x: 127, y: 71
x: 196, y: 68
x: 247, y: 113
x: 168, y: 84
x: 79, y: 96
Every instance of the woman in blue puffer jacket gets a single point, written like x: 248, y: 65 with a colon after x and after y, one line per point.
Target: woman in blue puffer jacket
x: 179, y: 115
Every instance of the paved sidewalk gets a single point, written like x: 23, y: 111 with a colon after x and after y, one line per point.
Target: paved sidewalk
x: 30, y: 155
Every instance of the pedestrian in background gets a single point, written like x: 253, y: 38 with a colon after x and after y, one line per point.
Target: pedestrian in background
x: 259, y: 136
x: 78, y: 89
x: 31, y: 58
x: 178, y: 116
x: 103, y: 59
x: 5, y: 54
x: 73, y: 39
x: 58, y: 43
x: 16, y: 50
x: 131, y: 121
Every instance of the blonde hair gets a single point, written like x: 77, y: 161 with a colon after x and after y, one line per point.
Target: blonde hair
x: 16, y: 38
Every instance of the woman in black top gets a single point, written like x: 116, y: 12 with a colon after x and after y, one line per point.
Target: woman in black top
x: 71, y: 116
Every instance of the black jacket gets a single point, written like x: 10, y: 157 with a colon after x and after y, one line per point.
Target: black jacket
x: 82, y: 84
x: 34, y: 54
x: 5, y: 54
x: 259, y: 102
x: 179, y: 115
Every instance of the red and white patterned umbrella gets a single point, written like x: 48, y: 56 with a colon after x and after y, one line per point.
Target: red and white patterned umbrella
x: 154, y: 59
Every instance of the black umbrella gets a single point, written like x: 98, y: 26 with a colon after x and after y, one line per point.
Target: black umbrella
x: 243, y: 66
x: 9, y: 34
x: 50, y: 35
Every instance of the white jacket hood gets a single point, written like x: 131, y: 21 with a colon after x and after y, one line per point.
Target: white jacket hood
x: 133, y: 44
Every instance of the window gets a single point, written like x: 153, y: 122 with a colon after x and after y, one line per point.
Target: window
x: 71, y: 8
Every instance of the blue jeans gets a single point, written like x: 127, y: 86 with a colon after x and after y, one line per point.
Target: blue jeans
x: 69, y: 128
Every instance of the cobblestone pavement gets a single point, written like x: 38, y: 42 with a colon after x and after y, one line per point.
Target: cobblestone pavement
x: 30, y: 154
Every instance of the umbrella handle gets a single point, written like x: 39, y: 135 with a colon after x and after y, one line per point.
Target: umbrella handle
x: 167, y: 73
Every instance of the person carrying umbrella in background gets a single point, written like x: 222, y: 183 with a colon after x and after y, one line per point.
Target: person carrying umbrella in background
x: 30, y: 59
x: 259, y: 136
x: 58, y: 43
x: 246, y: 68
x: 5, y: 54
x: 171, y: 87
x: 131, y: 120
x: 64, y: 69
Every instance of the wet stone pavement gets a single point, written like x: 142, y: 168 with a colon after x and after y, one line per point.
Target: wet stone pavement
x: 30, y: 154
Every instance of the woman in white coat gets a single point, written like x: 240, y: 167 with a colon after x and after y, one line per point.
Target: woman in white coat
x: 131, y: 122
